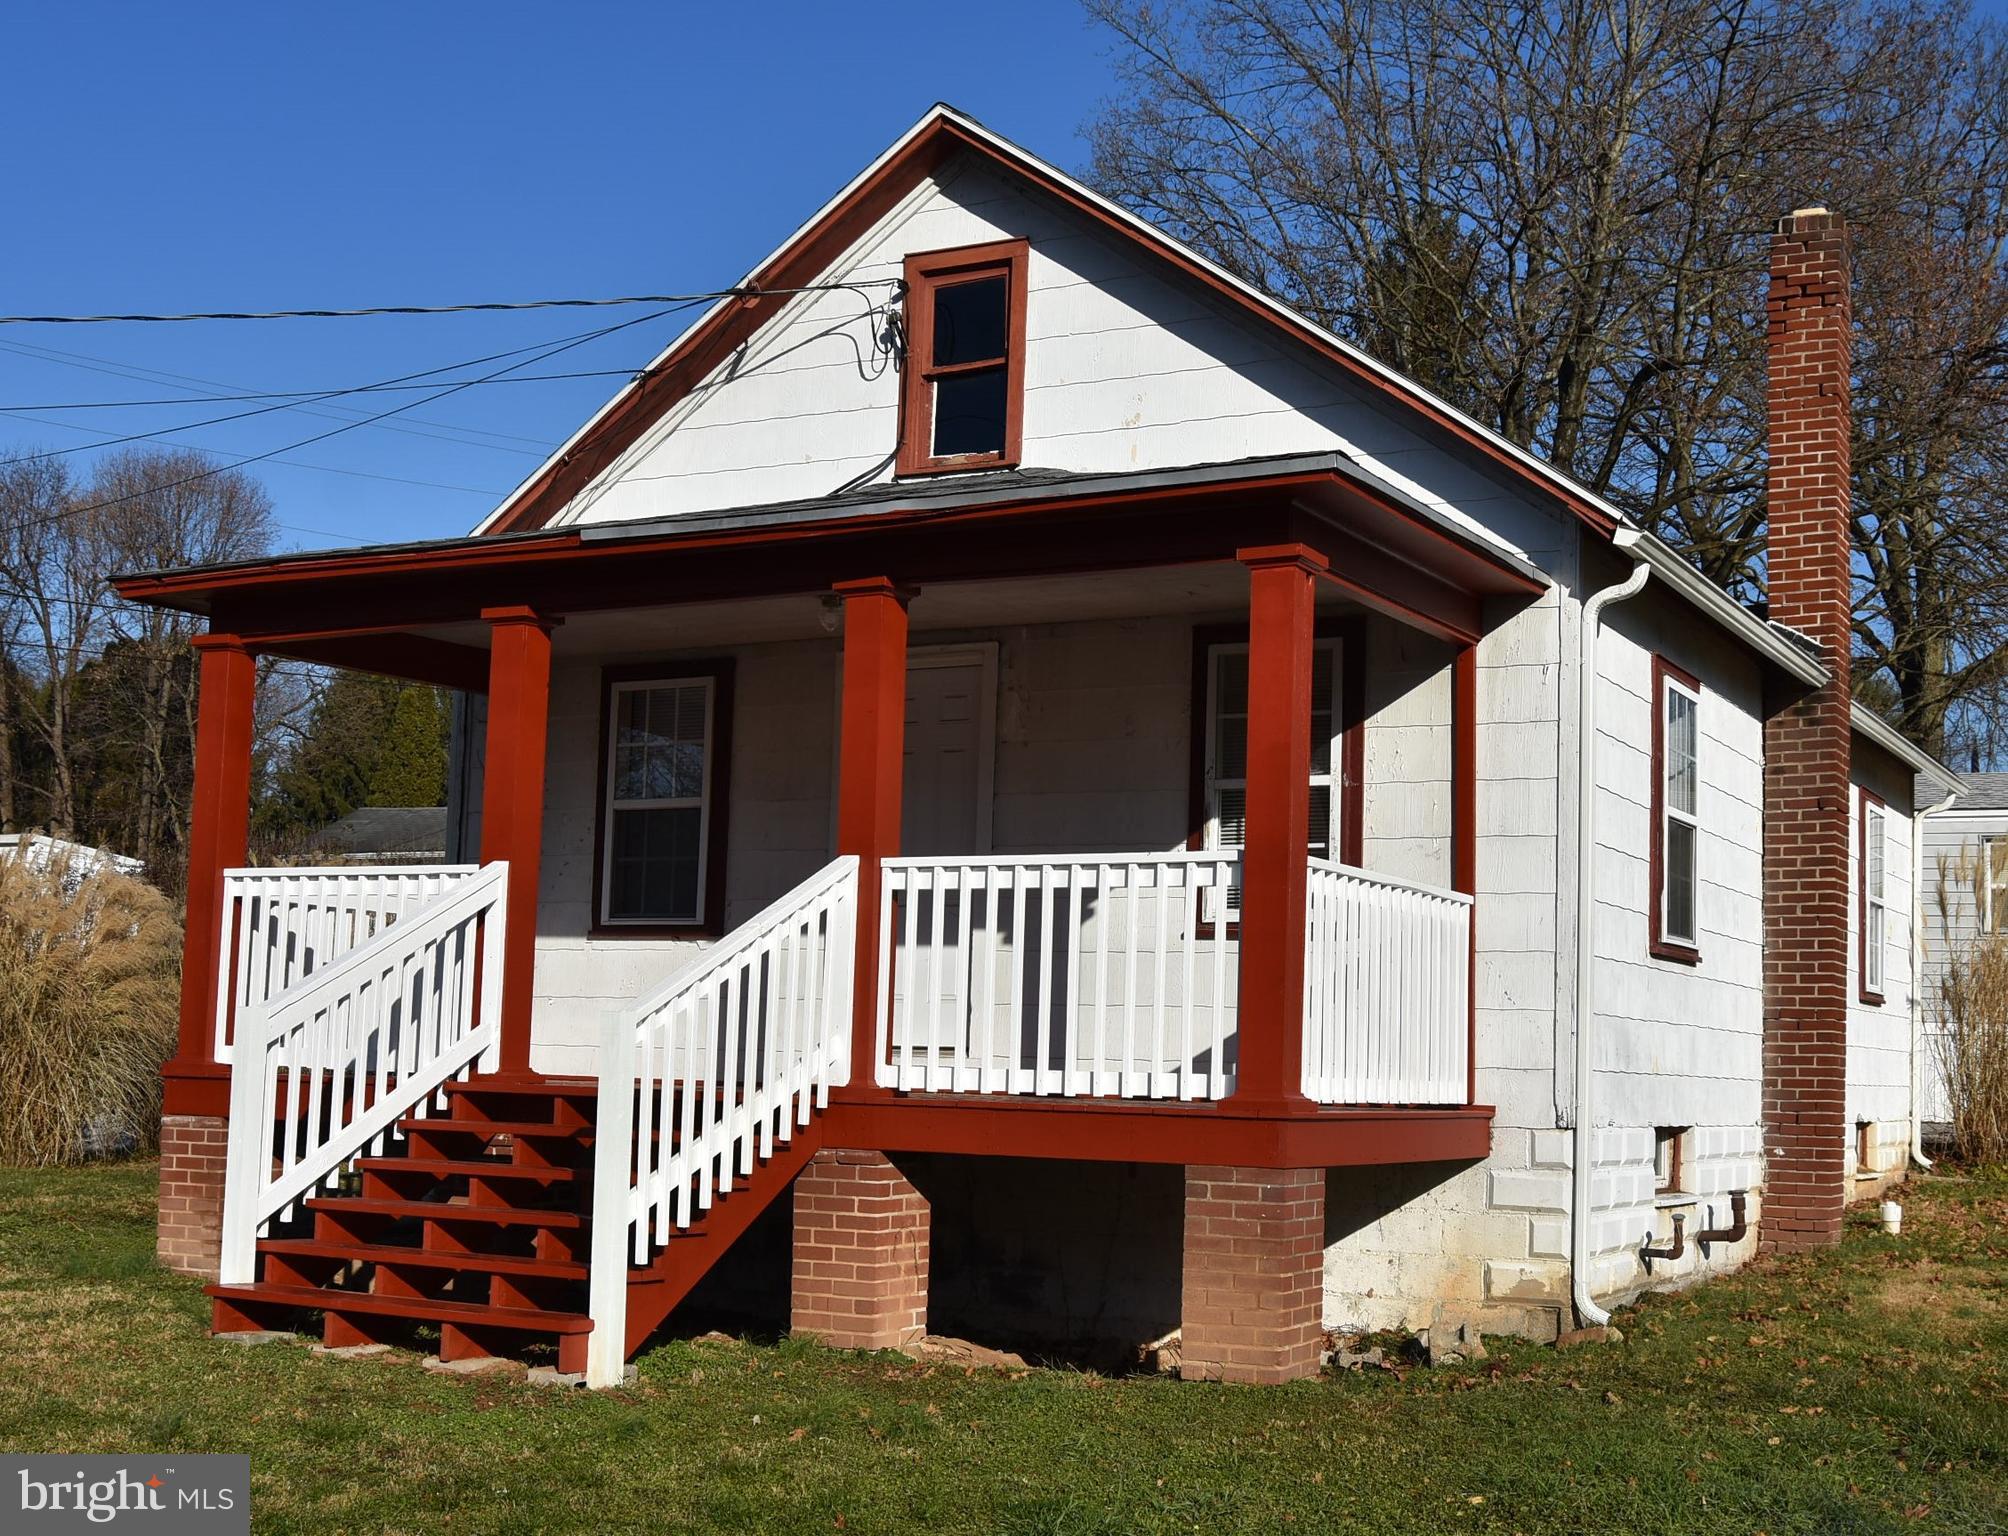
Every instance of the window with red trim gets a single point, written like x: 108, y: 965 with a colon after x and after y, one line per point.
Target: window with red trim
x: 962, y: 394
x: 659, y: 850
x: 1874, y: 895
x: 1675, y: 915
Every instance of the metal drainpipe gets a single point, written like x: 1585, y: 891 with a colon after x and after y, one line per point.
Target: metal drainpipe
x: 1916, y: 970
x: 1587, y: 1311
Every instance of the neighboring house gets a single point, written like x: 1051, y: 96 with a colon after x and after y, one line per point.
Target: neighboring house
x: 1962, y: 893
x: 38, y: 850
x: 386, y: 834
x: 1125, y: 814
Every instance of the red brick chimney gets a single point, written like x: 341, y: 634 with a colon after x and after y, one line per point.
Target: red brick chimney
x: 1806, y: 743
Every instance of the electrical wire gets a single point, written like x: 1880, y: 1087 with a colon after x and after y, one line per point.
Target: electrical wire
x: 680, y: 299
x: 441, y: 394
x: 304, y: 394
x: 266, y: 410
x: 411, y: 426
x: 325, y: 469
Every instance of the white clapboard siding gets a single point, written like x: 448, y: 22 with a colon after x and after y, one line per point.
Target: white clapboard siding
x: 1126, y: 368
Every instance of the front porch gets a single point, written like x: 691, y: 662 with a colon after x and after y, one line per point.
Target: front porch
x: 1265, y: 1000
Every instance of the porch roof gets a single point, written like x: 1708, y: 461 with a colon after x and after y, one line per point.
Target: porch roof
x: 194, y: 588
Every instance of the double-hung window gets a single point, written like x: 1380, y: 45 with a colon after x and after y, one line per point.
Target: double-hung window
x: 660, y: 829
x: 1227, y: 751
x: 963, y: 392
x: 1676, y: 813
x: 1875, y: 902
x: 1994, y: 885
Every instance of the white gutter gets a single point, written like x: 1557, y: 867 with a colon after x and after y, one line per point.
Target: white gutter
x: 1916, y: 972
x: 1627, y: 542
x: 1866, y: 722
x: 1770, y: 641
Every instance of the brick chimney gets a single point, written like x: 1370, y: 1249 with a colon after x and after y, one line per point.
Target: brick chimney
x: 1807, y: 888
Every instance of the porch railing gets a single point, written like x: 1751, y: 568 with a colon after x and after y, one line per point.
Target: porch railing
x: 1089, y: 975
x: 1386, y: 990
x: 281, y: 925
x: 730, y: 1055
x: 322, y: 1071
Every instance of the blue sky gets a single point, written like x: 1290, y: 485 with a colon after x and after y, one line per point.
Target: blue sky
x: 224, y: 156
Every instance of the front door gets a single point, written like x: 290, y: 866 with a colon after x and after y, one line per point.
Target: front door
x: 951, y: 708
x: 945, y: 810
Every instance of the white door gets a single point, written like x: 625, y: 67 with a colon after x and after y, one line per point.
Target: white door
x: 945, y: 810
x: 945, y: 741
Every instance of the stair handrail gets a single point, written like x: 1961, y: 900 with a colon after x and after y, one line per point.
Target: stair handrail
x: 353, y: 1058
x: 766, y: 1055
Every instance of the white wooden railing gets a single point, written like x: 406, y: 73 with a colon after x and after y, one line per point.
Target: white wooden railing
x: 321, y: 1071
x: 1070, y: 974
x: 732, y: 1054
x: 1386, y: 990
x: 280, y: 925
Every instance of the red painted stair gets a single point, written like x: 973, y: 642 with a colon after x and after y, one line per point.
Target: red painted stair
x: 481, y: 1229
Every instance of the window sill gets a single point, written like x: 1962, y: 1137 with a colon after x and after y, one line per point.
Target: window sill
x: 927, y: 467
x: 1872, y: 999
x: 652, y: 931
x: 1680, y: 954
x: 1674, y: 1199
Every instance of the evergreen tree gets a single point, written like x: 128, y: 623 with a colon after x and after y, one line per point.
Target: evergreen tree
x: 368, y: 741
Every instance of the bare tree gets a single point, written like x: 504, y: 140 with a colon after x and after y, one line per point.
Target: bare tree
x: 109, y: 691
x: 52, y: 584
x: 1554, y: 215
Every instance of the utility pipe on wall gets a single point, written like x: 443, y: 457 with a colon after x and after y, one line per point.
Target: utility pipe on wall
x: 1917, y: 821
x: 1626, y: 541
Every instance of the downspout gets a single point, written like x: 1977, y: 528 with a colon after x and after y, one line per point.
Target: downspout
x: 1916, y: 973
x: 1625, y: 540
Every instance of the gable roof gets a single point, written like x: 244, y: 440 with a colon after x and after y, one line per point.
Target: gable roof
x: 940, y: 134
x: 1979, y: 794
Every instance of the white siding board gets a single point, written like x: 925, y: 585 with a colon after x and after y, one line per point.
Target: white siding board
x: 1126, y: 368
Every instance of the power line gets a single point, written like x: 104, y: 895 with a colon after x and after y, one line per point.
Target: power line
x: 303, y: 394
x: 256, y: 458
x: 410, y: 427
x: 680, y: 299
x: 326, y: 469
x: 266, y: 410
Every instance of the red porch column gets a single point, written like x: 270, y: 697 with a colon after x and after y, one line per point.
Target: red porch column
x: 196, y: 1102
x: 219, y: 825
x: 512, y: 800
x: 870, y: 759
x: 1282, y: 610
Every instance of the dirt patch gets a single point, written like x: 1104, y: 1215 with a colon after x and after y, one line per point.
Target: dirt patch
x: 1955, y: 1293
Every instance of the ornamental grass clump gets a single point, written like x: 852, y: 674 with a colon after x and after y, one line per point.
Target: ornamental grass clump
x: 1972, y: 1017
x: 89, y: 979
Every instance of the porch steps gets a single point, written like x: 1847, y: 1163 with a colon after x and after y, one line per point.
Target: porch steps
x: 482, y: 1231
x: 399, y: 1256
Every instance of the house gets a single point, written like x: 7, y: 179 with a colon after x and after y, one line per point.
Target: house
x: 38, y: 850
x: 386, y: 834
x: 1962, y: 894
x: 1076, y: 798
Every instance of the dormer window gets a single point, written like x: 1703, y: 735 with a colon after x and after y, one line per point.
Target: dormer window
x: 963, y: 392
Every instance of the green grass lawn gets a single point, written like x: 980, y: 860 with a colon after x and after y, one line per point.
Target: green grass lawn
x: 1856, y: 1391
